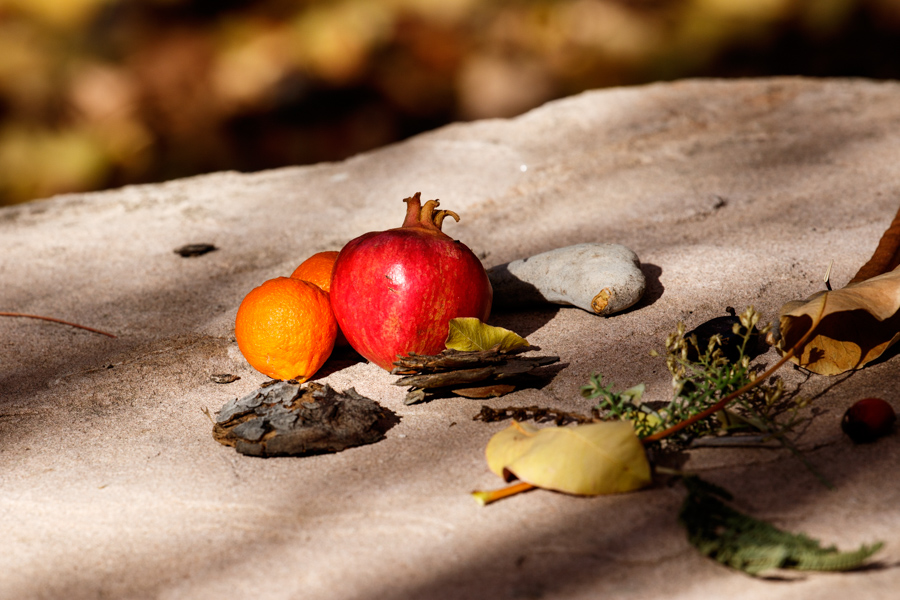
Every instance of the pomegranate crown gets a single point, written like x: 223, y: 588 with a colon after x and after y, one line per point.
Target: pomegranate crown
x: 425, y: 216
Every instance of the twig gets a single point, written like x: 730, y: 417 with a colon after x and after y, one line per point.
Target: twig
x: 54, y: 320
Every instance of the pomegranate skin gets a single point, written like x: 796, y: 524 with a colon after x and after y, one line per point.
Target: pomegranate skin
x: 394, y: 292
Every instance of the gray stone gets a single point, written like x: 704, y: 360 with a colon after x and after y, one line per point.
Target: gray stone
x: 599, y: 278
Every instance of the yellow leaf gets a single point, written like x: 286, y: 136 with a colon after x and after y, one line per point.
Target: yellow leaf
x: 591, y: 459
x: 468, y: 333
x: 852, y: 326
x: 508, y: 445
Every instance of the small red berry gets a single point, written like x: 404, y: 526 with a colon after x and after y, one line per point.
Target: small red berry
x: 868, y: 420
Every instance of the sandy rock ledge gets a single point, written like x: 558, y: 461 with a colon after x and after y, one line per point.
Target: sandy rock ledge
x: 732, y: 193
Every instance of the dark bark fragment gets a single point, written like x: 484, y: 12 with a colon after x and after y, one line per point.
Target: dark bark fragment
x: 453, y: 372
x: 286, y: 419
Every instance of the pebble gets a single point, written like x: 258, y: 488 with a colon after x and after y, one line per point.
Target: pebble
x: 600, y: 278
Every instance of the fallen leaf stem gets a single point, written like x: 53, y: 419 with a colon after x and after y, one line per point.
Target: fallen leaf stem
x: 54, y: 320
x: 886, y: 256
x: 522, y: 430
x: 487, y: 497
x: 743, y: 390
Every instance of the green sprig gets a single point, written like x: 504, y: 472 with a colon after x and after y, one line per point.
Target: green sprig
x: 698, y: 384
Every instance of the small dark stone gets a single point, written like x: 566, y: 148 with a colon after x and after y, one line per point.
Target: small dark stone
x: 223, y: 378
x: 731, y: 341
x: 191, y: 250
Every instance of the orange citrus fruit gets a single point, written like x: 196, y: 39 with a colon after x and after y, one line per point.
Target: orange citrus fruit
x: 317, y: 269
x: 285, y: 328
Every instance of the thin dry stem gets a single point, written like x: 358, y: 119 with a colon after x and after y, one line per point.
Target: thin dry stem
x: 54, y: 320
x: 521, y: 429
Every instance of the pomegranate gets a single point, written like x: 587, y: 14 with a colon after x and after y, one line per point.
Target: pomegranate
x: 394, y: 292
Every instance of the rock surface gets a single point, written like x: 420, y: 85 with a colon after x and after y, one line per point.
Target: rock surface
x: 733, y: 193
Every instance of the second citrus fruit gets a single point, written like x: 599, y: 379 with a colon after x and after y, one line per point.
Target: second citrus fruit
x: 317, y: 269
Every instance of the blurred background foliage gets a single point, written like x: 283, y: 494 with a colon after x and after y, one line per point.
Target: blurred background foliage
x: 102, y: 93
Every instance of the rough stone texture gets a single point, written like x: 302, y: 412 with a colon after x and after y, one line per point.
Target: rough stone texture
x: 732, y: 193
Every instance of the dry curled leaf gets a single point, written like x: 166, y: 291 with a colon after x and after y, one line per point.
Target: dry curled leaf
x: 886, y: 257
x: 591, y: 459
x: 852, y: 326
x: 469, y: 333
x: 486, y: 391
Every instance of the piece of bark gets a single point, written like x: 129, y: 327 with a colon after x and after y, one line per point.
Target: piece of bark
x: 886, y: 257
x: 445, y: 378
x: 453, y: 359
x: 453, y: 372
x: 286, y: 419
x: 459, y: 377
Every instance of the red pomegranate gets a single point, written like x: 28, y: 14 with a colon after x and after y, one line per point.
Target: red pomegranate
x: 394, y: 292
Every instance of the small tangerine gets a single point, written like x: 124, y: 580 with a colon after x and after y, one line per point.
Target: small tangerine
x: 285, y: 328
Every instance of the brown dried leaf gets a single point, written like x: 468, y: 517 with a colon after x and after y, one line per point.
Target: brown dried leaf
x: 852, y: 326
x: 488, y: 391
x: 886, y: 257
